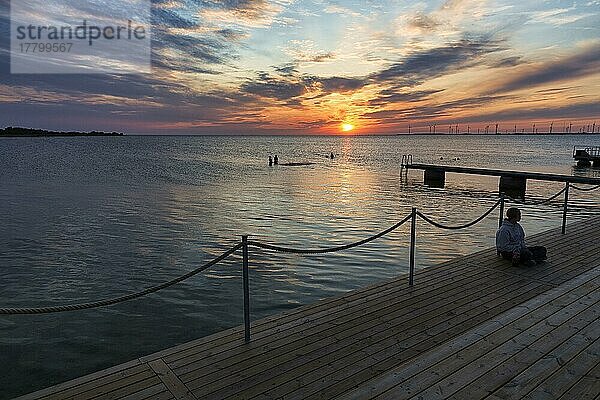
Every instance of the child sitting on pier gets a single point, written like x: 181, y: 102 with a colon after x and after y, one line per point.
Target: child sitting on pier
x: 510, y: 241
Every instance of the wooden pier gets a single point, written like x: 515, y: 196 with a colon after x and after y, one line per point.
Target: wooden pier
x: 513, y: 183
x: 471, y: 328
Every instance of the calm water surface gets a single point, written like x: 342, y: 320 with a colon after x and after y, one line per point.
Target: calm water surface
x: 90, y: 218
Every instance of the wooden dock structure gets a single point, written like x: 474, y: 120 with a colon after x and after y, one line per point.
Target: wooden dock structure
x: 587, y: 155
x: 471, y: 328
x: 513, y: 183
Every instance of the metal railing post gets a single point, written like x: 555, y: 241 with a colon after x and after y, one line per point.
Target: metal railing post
x: 413, y: 238
x: 246, y: 289
x: 565, y: 208
x: 501, y: 217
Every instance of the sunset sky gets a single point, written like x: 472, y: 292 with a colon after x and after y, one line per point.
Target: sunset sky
x: 323, y: 67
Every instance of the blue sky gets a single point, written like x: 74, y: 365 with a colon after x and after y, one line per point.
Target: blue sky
x: 295, y: 66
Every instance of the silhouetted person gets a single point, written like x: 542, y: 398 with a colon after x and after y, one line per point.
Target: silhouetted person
x: 331, y: 156
x: 276, y: 160
x: 270, y: 161
x: 510, y: 241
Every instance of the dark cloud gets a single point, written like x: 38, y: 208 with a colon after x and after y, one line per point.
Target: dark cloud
x: 584, y: 63
x: 438, y: 110
x: 288, y: 69
x: 397, y: 95
x: 166, y: 17
x: 421, y: 66
x: 291, y: 85
x: 232, y: 35
x: 423, y: 22
x: 508, y: 62
x: 264, y: 85
x: 556, y: 90
x: 340, y: 84
x: 321, y: 57
x: 203, y: 49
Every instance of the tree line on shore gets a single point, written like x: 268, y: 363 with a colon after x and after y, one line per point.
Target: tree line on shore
x: 28, y: 132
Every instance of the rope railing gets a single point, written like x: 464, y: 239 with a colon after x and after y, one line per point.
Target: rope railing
x: 245, y: 244
x: 467, y: 225
x: 537, y: 203
x: 291, y: 250
x: 588, y: 189
x: 116, y: 300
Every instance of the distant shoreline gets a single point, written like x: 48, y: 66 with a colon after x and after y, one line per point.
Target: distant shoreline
x: 15, y: 132
x: 27, y: 132
x: 499, y: 134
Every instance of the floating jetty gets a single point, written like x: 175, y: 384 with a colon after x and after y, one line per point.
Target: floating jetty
x: 471, y: 328
x: 587, y: 155
x: 513, y: 183
x: 297, y: 164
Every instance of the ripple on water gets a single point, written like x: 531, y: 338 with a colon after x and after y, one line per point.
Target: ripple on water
x: 115, y: 215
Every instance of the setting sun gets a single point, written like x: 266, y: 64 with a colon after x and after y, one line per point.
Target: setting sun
x: 347, y: 127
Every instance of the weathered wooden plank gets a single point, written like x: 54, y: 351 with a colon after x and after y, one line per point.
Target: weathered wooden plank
x: 279, y: 321
x: 366, y: 328
x: 587, y: 388
x: 533, y: 347
x: 423, y: 332
x: 321, y: 321
x: 376, y: 317
x: 480, y: 346
x: 515, y: 319
x: 95, y: 388
x: 101, y: 377
x: 342, y: 303
x: 128, y: 390
x: 170, y: 380
x: 446, y: 332
x: 540, y: 370
x: 563, y: 379
x: 151, y: 392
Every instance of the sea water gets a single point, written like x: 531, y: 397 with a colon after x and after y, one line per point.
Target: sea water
x: 91, y: 218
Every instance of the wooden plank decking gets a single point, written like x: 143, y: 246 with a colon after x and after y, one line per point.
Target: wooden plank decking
x: 471, y: 328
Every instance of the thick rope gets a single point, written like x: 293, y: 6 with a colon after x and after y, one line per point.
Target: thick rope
x: 438, y: 225
x: 283, y: 249
x: 588, y: 189
x: 108, y: 302
x: 537, y: 203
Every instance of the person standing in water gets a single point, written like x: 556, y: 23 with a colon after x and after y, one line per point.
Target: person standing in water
x: 276, y: 160
x: 270, y: 161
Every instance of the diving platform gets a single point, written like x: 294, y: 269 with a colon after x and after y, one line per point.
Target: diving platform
x: 587, y: 155
x: 474, y: 327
